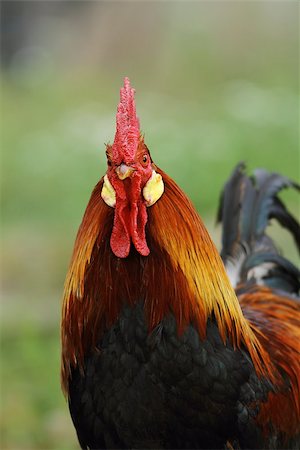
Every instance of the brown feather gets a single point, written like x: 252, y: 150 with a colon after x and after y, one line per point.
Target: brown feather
x: 275, y: 319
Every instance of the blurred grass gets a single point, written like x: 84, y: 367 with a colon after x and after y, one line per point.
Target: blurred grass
x: 34, y: 415
x: 206, y: 104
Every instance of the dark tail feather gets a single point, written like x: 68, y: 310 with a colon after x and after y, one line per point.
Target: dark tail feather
x: 268, y: 205
x: 286, y: 220
x: 246, y: 207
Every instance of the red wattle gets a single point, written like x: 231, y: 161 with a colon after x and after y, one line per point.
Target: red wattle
x: 120, y: 237
x: 139, y: 219
x: 130, y: 218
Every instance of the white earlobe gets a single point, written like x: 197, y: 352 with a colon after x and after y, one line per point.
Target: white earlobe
x: 154, y: 189
x: 108, y: 193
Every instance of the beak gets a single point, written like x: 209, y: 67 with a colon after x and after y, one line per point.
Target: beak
x: 124, y: 171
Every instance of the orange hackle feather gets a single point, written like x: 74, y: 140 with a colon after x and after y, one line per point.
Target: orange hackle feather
x: 275, y: 320
x: 183, y: 275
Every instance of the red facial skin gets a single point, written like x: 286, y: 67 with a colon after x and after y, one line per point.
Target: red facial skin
x: 130, y: 211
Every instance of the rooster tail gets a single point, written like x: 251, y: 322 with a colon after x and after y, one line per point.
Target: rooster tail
x: 247, y: 205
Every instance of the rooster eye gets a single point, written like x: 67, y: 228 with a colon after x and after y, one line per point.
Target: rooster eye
x: 145, y: 159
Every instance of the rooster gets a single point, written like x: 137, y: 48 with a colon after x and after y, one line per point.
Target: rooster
x: 160, y: 347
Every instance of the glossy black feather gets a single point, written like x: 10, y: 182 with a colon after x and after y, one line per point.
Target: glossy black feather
x: 268, y: 185
x: 229, y: 210
x: 164, y: 391
x: 279, y: 212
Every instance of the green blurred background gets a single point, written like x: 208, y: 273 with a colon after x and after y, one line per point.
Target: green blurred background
x: 216, y: 83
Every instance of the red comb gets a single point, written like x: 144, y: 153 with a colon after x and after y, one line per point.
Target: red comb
x: 128, y: 125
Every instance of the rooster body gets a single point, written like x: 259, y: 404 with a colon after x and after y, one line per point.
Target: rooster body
x: 157, y: 350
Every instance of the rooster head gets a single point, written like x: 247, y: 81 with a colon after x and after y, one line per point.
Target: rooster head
x: 131, y: 183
